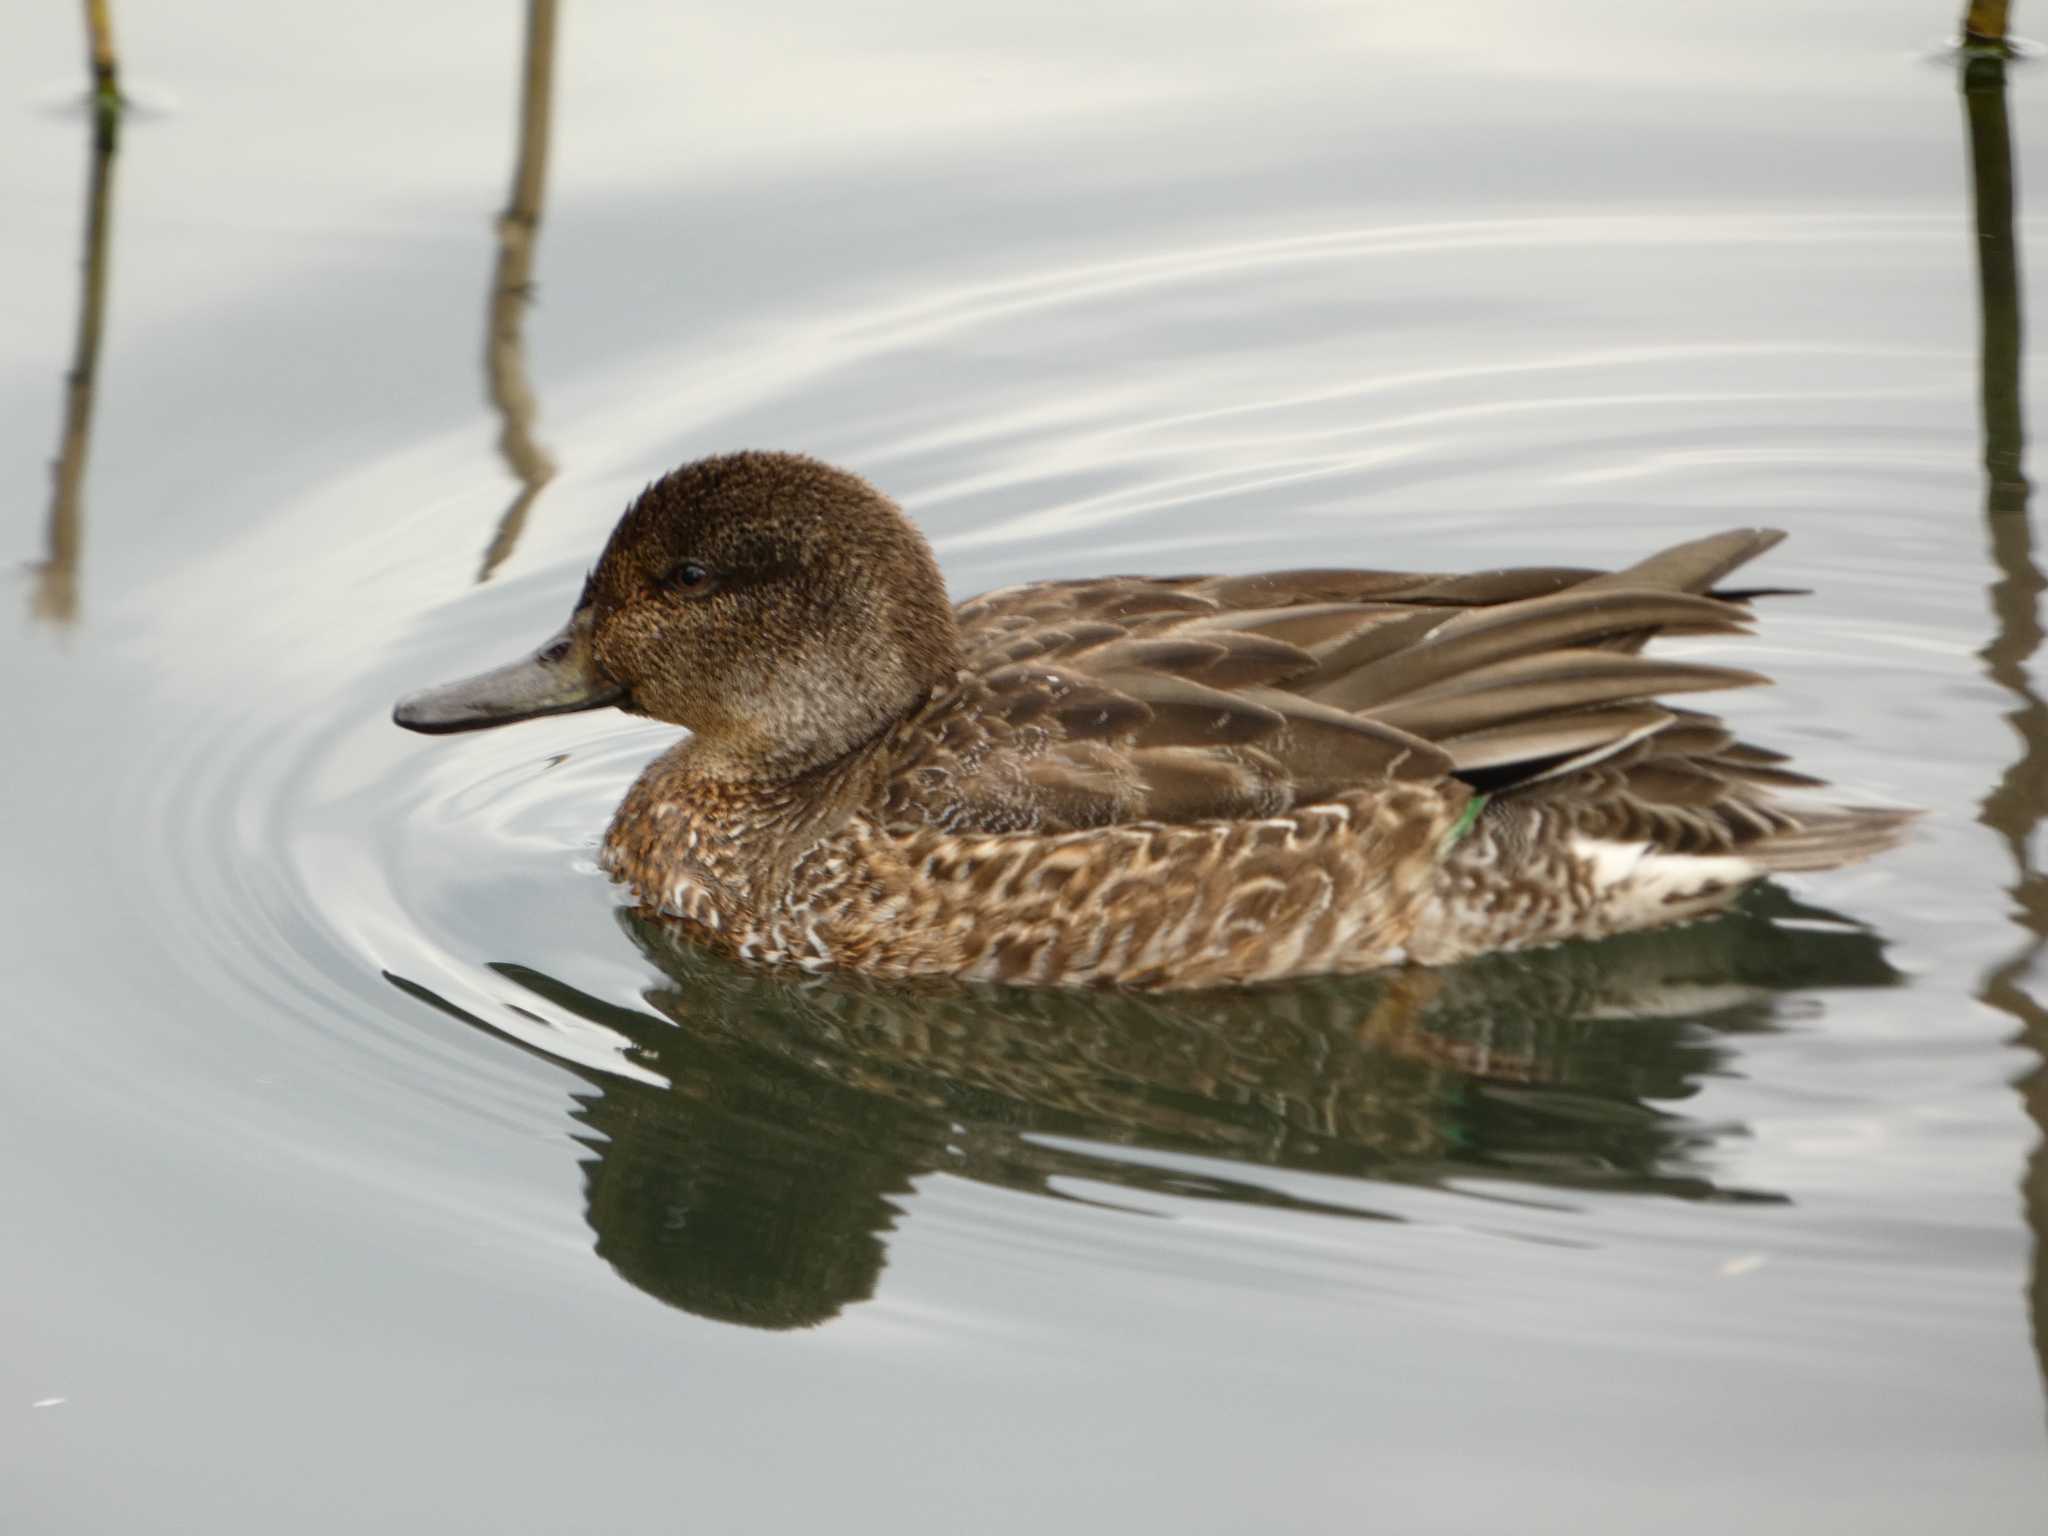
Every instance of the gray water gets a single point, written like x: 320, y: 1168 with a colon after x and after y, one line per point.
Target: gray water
x: 369, y: 1167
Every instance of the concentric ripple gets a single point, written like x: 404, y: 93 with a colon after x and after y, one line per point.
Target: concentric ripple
x: 422, y: 918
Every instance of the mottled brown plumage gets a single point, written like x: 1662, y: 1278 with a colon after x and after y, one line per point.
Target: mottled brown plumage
x: 1149, y: 781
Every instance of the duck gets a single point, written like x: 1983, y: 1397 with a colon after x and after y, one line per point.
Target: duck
x: 1150, y: 782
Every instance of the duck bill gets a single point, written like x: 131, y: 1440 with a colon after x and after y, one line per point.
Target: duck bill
x: 558, y: 679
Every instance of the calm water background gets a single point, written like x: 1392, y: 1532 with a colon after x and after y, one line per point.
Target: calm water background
x: 367, y: 1170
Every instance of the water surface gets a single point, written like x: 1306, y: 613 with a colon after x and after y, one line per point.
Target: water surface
x: 371, y: 1165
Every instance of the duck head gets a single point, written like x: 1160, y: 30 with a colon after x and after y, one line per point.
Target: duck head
x: 783, y: 610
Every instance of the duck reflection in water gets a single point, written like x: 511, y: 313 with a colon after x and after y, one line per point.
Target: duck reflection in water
x: 760, y: 1183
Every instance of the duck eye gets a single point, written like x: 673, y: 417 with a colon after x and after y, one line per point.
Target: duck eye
x: 690, y: 576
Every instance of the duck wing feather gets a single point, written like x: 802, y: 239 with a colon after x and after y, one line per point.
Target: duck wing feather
x: 1182, y: 698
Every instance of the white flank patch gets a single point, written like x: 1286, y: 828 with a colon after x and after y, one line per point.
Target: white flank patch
x: 1638, y: 877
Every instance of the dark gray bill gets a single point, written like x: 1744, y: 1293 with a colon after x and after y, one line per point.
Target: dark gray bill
x: 560, y: 677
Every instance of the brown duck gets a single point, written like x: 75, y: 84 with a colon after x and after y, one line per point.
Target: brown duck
x: 1148, y: 781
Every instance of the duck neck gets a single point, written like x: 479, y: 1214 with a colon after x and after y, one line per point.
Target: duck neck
x: 704, y: 843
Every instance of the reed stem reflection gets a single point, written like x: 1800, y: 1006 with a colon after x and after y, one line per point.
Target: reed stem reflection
x: 512, y: 289
x: 55, y: 595
x: 2013, y: 809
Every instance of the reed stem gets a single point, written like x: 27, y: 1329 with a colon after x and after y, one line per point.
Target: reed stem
x: 1984, y: 23
x: 106, y: 68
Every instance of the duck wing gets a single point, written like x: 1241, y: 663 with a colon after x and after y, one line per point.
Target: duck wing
x: 1183, y: 698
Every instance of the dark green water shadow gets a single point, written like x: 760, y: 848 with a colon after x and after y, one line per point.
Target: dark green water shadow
x: 759, y: 1181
